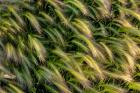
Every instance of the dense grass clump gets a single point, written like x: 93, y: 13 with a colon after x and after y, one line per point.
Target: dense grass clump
x: 69, y: 46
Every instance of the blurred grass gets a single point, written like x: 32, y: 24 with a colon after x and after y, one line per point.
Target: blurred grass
x: 69, y: 46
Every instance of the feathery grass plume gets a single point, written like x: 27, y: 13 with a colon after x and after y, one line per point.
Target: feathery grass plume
x: 132, y: 47
x: 83, y: 26
x: 123, y: 76
x: 26, y: 5
x: 6, y: 23
x: 54, y: 4
x: 131, y: 12
x: 5, y: 26
x: 38, y: 46
x: 73, y: 68
x: 61, y: 17
x: 92, y: 47
x: 79, y: 77
x: 55, y: 78
x: 10, y: 52
x: 17, y: 16
x: 15, y: 25
x: 130, y: 61
x: 61, y: 54
x: 47, y: 17
x: 93, y: 64
x: 107, y: 50
x: 107, y: 4
x: 125, y: 23
x: 89, y: 72
x: 105, y: 7
x: 9, y: 76
x: 79, y: 5
x: 59, y: 81
x: 34, y: 22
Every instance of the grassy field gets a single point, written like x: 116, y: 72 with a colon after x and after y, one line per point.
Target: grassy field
x: 69, y: 46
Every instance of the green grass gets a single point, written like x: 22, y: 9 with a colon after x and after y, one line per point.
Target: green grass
x: 69, y: 46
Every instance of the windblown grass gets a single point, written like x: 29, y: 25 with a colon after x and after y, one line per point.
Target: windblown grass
x: 69, y: 46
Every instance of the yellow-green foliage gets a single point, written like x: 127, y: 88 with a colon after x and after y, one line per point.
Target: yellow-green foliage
x: 69, y: 46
